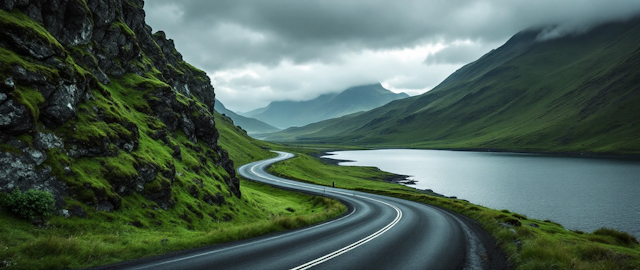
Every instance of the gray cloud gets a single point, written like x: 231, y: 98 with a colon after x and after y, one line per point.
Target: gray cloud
x: 461, y: 53
x: 237, y: 34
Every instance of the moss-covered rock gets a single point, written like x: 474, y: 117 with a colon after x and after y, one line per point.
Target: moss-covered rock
x: 96, y: 108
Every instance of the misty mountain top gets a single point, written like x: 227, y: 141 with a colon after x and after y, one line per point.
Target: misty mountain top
x: 274, y: 51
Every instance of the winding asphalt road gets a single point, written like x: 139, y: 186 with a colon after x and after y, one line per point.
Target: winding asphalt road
x: 378, y: 232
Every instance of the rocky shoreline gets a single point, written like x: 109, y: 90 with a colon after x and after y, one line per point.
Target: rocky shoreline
x: 394, y: 178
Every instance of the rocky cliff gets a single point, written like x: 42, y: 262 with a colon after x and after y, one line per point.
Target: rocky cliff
x: 94, y: 108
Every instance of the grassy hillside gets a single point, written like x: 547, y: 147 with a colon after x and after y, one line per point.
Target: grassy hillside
x: 571, y: 94
x: 140, y: 228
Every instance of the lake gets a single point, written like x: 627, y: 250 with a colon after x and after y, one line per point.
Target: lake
x: 581, y: 193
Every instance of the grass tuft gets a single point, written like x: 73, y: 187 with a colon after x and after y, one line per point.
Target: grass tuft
x: 621, y: 238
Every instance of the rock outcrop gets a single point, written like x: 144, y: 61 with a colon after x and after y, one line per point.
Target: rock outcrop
x: 93, y: 107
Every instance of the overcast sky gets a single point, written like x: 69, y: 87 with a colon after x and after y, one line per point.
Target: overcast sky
x: 261, y: 51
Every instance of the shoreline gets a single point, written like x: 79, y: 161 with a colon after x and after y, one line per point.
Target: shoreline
x: 400, y: 179
x: 536, y: 234
x: 586, y: 154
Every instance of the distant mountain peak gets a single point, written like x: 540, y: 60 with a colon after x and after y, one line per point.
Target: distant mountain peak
x: 284, y: 114
x: 251, y: 125
x: 575, y: 93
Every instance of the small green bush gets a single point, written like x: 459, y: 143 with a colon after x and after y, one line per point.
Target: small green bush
x: 30, y: 204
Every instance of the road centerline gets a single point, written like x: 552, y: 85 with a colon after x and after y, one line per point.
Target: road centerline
x: 347, y: 248
x: 356, y: 244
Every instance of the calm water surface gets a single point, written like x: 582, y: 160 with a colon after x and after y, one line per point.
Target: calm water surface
x: 579, y: 193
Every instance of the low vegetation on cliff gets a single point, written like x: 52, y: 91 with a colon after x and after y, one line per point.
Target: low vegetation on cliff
x: 117, y: 137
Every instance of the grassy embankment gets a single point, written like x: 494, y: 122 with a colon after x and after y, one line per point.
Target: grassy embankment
x: 138, y: 230
x: 110, y: 238
x: 529, y: 243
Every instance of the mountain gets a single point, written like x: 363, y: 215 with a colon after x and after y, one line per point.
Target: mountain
x: 284, y: 114
x: 577, y: 93
x: 251, y: 125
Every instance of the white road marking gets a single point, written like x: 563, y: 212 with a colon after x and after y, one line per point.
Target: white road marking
x: 318, y: 260
x: 356, y: 244
x: 246, y: 244
x: 344, y: 249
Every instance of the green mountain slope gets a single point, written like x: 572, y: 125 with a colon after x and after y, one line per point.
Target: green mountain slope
x: 571, y: 94
x: 284, y: 114
x: 251, y: 125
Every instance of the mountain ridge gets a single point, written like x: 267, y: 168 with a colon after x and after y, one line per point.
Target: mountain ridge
x: 251, y: 125
x: 284, y: 114
x: 558, y: 95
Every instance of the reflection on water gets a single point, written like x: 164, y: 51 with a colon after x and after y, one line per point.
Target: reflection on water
x: 580, y: 193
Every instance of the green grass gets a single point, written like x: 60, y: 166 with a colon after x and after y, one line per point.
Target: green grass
x: 141, y: 227
x: 30, y: 98
x: 32, y: 31
x: 124, y: 27
x: 112, y: 237
x: 529, y: 243
x: 16, y: 20
x: 309, y: 169
x: 25, y: 95
x: 240, y: 146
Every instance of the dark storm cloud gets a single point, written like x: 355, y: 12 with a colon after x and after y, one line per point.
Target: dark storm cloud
x: 231, y: 33
x: 226, y: 35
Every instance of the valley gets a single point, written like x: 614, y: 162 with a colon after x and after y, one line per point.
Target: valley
x: 574, y: 94
x: 116, y: 151
x: 251, y: 125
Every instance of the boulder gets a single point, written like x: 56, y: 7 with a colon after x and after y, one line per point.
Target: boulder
x: 15, y: 118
